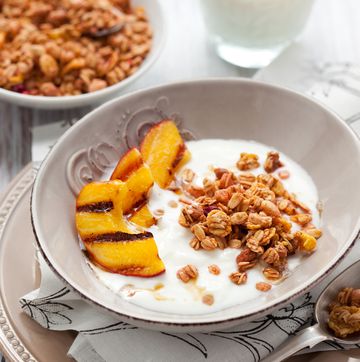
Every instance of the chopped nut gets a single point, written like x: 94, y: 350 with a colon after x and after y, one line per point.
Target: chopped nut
x: 195, y: 191
x: 235, y: 243
x: 284, y: 174
x: 301, y: 219
x: 209, y: 243
x: 238, y: 278
x: 248, y: 161
x: 246, y: 255
x: 190, y: 214
x: 219, y: 172
x: 218, y: 223
x: 208, y: 299
x: 222, y: 196
x: 187, y: 273
x: 272, y: 274
x: 187, y: 175
x: 286, y: 206
x: 173, y: 204
x: 272, y: 162
x: 214, y: 269
x: 198, y: 231
x: 226, y: 180
x: 235, y: 200
x: 263, y: 287
x: 239, y: 218
x: 270, y: 208
x: 299, y: 204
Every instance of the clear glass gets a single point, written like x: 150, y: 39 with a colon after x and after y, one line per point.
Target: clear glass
x: 251, y: 33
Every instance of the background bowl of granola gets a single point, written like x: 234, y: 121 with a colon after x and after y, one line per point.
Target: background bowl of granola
x: 53, y: 54
x: 225, y: 109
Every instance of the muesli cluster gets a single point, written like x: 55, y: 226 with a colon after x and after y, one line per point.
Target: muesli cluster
x: 254, y: 214
x: 51, y: 48
x: 344, y: 316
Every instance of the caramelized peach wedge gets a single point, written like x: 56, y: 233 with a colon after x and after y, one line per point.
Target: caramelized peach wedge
x: 164, y: 150
x: 111, y: 241
x: 111, y: 216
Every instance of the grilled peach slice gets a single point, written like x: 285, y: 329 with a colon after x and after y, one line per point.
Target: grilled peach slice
x: 164, y: 150
x: 137, y: 175
x: 143, y: 217
x: 111, y: 241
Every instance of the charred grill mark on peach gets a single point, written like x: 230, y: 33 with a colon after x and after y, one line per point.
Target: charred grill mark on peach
x: 127, y: 172
x: 179, y: 156
x: 97, y: 207
x: 117, y: 236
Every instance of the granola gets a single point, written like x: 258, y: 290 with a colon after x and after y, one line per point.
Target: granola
x: 49, y: 47
x: 252, y: 213
x: 344, y: 316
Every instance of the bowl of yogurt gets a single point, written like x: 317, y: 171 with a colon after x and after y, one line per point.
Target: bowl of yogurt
x: 218, y: 120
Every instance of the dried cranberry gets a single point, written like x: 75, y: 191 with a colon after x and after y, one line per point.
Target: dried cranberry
x: 207, y: 209
x: 19, y: 88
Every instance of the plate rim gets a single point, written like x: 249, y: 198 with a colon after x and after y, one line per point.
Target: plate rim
x: 10, y: 343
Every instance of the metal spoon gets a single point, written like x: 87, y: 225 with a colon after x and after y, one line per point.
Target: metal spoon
x: 112, y: 30
x: 319, y: 332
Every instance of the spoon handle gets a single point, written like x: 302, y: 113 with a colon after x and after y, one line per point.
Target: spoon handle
x: 309, y: 337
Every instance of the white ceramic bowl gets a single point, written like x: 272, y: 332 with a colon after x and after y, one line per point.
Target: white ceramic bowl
x: 158, y: 23
x: 220, y: 108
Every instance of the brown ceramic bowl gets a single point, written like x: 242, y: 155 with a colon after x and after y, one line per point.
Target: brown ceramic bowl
x: 220, y: 108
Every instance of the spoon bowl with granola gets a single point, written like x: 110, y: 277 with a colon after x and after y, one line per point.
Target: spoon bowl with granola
x: 337, y: 313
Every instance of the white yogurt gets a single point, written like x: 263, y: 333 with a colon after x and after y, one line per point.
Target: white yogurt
x: 173, y: 240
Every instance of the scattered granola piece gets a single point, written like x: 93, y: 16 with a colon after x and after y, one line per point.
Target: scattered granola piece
x: 271, y: 273
x: 159, y: 212
x: 195, y: 191
x: 187, y: 273
x: 238, y: 277
x: 270, y: 208
x: 301, y: 219
x: 248, y: 161
x: 173, y: 204
x: 272, y: 162
x: 263, y: 287
x: 187, y: 175
x: 208, y: 299
x: 218, y: 223
x: 284, y: 175
x: 214, y: 269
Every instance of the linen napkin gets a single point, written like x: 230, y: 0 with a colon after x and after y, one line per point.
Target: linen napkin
x: 103, y: 338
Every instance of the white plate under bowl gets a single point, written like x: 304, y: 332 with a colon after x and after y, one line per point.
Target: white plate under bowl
x: 158, y: 23
x: 217, y: 108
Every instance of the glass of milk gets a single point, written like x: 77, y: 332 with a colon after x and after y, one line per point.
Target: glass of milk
x: 251, y: 33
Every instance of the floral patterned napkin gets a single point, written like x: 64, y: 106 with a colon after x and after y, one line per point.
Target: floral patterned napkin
x: 102, y: 338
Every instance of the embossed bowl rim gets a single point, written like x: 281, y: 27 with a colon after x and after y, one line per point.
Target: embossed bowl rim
x: 64, y: 102
x: 190, y: 324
